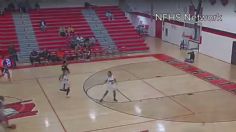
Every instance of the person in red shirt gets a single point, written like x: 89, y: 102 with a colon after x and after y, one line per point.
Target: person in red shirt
x: 60, y: 54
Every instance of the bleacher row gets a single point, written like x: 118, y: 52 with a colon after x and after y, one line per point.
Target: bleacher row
x: 120, y: 29
x: 56, y: 18
x: 7, y: 33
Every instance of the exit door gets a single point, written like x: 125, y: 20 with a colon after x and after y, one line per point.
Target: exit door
x: 233, y: 58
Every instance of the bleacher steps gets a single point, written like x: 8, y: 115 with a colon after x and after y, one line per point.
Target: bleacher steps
x: 25, y: 35
x: 98, y: 29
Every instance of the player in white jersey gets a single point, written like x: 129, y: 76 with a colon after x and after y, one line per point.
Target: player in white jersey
x: 65, y: 84
x: 111, y: 86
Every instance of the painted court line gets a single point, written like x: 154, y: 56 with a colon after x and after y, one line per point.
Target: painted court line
x: 124, y: 95
x: 185, y: 107
x: 50, y: 103
x: 151, y: 120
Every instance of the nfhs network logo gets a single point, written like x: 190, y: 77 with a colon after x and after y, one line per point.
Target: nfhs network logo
x: 188, y: 17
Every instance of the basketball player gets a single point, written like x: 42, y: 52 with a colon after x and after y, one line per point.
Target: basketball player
x: 3, y: 120
x: 64, y: 67
x: 111, y: 86
x: 5, y: 70
x: 65, y: 85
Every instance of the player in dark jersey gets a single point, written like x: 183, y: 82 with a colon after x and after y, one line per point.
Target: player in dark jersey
x: 64, y: 67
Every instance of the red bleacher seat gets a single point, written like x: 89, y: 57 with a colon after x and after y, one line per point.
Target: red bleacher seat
x: 7, y: 34
x: 121, y: 30
x: 56, y: 17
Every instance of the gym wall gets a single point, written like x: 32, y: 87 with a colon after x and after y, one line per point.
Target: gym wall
x: 216, y: 42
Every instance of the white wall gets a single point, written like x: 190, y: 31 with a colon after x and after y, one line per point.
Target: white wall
x: 228, y: 16
x: 174, y: 33
x: 135, y: 19
x: 217, y: 46
x: 180, y: 6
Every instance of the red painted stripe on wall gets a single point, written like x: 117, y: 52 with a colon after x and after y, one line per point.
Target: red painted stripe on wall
x: 219, y: 32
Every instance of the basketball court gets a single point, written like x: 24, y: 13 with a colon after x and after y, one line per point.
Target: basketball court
x: 152, y: 95
x: 173, y: 74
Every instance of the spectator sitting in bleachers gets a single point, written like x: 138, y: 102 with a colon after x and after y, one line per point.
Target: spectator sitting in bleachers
x: 62, y: 31
x: 77, y: 53
x: 2, y: 11
x: 87, y: 53
x: 34, y: 57
x: 70, y: 30
x: 110, y: 50
x: 86, y: 42
x: 23, y: 6
x: 45, y: 55
x: 36, y: 6
x: 27, y: 6
x: 11, y: 7
x: 92, y: 41
x: 73, y: 41
x: 80, y: 40
x: 109, y: 15
x: 60, y: 55
x: 87, y: 5
x: 43, y: 25
x: 81, y: 51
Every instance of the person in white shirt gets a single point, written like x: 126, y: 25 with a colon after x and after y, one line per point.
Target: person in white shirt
x: 65, y: 84
x: 111, y: 86
x: 80, y: 40
x: 109, y: 15
x: 43, y: 25
x: 92, y: 41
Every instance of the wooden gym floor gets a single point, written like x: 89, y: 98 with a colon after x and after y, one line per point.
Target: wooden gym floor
x: 152, y: 95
